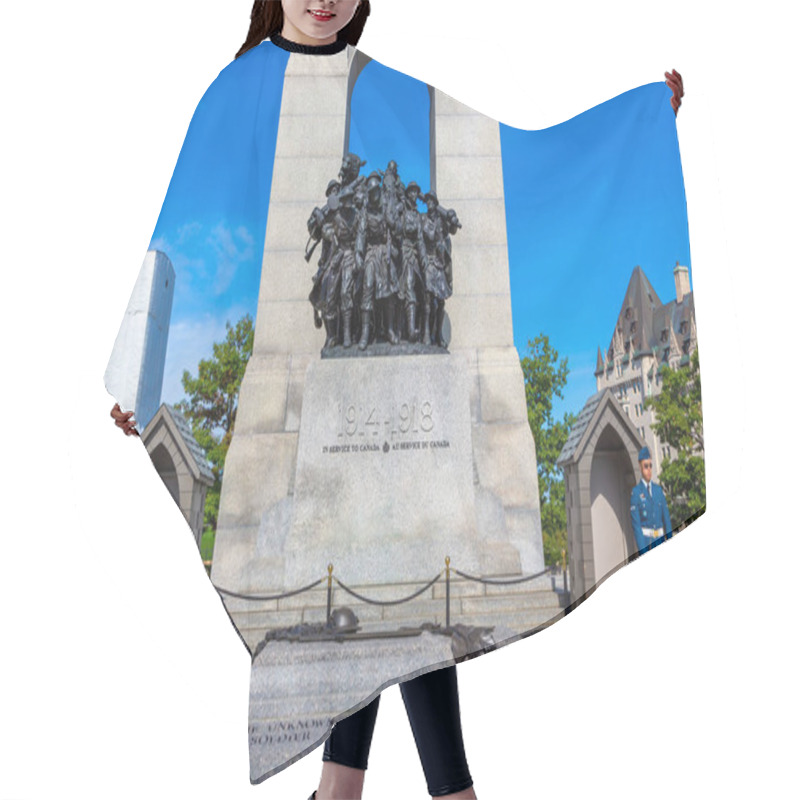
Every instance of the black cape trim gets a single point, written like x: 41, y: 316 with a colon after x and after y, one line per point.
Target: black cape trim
x: 310, y: 49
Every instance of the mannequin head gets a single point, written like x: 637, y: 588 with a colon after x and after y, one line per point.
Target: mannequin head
x: 293, y: 20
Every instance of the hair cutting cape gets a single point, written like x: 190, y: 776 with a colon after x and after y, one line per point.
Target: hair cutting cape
x: 418, y: 380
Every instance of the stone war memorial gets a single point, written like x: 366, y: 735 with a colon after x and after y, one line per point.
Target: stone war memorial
x: 358, y: 449
x: 382, y: 445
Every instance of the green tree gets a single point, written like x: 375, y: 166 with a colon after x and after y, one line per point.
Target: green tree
x: 545, y: 377
x: 212, y: 399
x: 679, y: 423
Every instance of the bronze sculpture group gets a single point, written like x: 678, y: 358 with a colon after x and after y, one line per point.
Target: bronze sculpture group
x: 382, y: 260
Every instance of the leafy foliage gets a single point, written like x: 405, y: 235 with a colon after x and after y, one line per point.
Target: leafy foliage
x: 545, y: 377
x: 212, y: 399
x: 679, y: 423
x: 684, y: 482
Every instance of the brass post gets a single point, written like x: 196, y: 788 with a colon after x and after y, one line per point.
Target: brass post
x: 447, y: 591
x: 330, y: 591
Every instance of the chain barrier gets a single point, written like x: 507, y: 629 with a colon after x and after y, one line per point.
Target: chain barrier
x: 496, y: 582
x: 446, y: 571
x: 269, y: 597
x: 389, y: 602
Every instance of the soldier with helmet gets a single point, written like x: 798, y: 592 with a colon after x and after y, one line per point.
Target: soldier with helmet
x: 436, y: 286
x: 352, y: 182
x: 349, y: 261
x: 413, y: 257
x: 324, y: 296
x: 393, y: 188
x: 374, y: 239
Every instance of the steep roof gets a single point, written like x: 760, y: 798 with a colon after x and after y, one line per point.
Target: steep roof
x: 579, y: 428
x: 639, y: 308
x: 646, y: 324
x: 193, y: 447
x: 596, y: 408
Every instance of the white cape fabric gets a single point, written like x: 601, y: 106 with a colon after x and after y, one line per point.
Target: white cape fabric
x: 399, y: 364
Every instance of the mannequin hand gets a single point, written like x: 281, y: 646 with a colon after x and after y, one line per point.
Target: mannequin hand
x: 675, y: 82
x: 124, y: 420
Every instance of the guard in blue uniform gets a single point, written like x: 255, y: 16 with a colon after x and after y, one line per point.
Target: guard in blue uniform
x: 649, y: 513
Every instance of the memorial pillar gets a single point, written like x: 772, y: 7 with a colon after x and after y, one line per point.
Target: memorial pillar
x: 469, y: 178
x: 260, y: 466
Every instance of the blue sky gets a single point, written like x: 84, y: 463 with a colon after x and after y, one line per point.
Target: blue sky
x: 390, y: 119
x: 213, y: 220
x: 586, y: 201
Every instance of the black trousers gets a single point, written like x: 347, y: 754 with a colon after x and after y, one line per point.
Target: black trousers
x: 432, y: 705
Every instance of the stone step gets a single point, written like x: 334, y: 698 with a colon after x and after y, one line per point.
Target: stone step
x: 510, y: 603
x: 319, y: 681
x: 271, y: 709
x: 519, y: 610
x: 521, y: 622
x: 425, y: 609
x: 306, y: 611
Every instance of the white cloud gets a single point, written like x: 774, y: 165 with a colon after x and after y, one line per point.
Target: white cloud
x: 230, y: 249
x: 161, y: 243
x: 188, y: 231
x: 206, y: 258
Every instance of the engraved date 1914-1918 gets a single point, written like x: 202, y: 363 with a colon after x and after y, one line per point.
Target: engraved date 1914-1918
x: 402, y: 418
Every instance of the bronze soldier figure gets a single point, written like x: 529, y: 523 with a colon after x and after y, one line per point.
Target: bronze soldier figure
x: 324, y: 295
x: 380, y: 281
x: 413, y: 258
x: 350, y: 261
x: 380, y: 257
x: 437, y: 226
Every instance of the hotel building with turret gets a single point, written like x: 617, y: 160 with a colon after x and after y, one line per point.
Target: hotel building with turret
x: 648, y: 334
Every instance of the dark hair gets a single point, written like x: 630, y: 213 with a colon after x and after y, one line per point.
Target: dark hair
x: 266, y: 19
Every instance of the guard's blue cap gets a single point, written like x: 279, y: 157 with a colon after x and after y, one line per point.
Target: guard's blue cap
x: 644, y: 453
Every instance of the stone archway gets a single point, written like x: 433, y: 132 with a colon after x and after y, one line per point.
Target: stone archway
x: 180, y: 463
x: 165, y: 467
x: 357, y: 65
x: 610, y: 487
x: 599, y: 463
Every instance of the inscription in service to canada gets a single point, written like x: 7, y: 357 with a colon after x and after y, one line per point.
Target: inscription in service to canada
x: 374, y: 428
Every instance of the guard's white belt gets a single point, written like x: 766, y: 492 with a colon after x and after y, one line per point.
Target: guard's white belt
x: 653, y: 533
